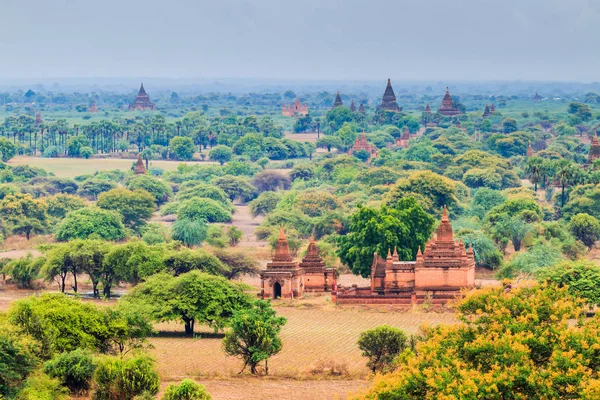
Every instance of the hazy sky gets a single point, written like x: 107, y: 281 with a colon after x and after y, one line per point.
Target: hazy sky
x: 302, y: 39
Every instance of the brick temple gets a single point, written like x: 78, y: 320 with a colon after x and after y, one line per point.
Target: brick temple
x: 388, y: 102
x: 338, y: 101
x: 352, y: 106
x: 594, y: 153
x: 142, y: 101
x: 286, y: 278
x: 139, y: 168
x: 93, y: 108
x: 362, y: 144
x: 294, y: 110
x: 447, y: 108
x: 437, y: 275
x: 402, y: 141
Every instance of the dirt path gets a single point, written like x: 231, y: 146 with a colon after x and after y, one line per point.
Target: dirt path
x: 13, y: 254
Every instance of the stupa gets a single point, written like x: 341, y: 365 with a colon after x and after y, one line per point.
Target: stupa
x: 338, y: 101
x: 142, y: 101
x: 447, y: 107
x: 388, y: 102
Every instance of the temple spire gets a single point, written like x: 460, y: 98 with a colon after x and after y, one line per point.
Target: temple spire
x: 282, y: 250
x: 139, y: 168
x: 388, y: 102
x: 338, y: 100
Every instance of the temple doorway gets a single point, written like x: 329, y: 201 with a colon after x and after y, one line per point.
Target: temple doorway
x: 276, y: 290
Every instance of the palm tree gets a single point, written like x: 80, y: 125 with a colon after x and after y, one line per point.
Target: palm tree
x: 566, y: 174
x: 535, y: 170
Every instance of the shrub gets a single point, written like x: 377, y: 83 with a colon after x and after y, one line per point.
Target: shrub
x: 216, y: 237
x: 157, y: 188
x: 381, y: 345
x: 74, y: 369
x: 42, y: 387
x: 86, y: 152
x: 91, y: 222
x: 203, y: 209
x: 183, y: 147
x: 186, y: 390
x: 25, y: 270
x: 189, y: 232
x: 265, y: 203
x: 117, y: 379
x: 585, y: 228
x: 7, y: 149
x: 51, y: 152
x: 221, y: 154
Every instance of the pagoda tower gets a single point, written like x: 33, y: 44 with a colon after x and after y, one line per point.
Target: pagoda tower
x: 361, y: 109
x: 537, y: 97
x: 38, y: 119
x: 142, y: 101
x: 352, y: 106
x: 93, y: 108
x: 283, y: 277
x: 486, y: 111
x: 427, y: 109
x: 139, y: 168
x: 529, y: 150
x: 594, y: 153
x: 338, y: 101
x: 317, y: 276
x: 388, y: 102
x: 447, y: 107
x: 493, y: 109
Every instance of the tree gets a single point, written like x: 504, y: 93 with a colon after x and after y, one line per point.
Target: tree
x: 329, y: 142
x: 235, y: 235
x: 585, y: 228
x: 7, y: 149
x: 136, y: 206
x: 192, y: 297
x: 254, y: 335
x: 509, y: 125
x: 61, y: 204
x: 381, y: 346
x: 566, y: 174
x: 535, y: 170
x: 236, y: 187
x: 405, y: 227
x: 17, y: 361
x: 203, y: 209
x: 581, y: 278
x: 118, y: 379
x: 220, y: 153
x: 92, y: 187
x: 157, y: 188
x: 513, y: 343
x: 73, y: 369
x: 186, y: 390
x: 75, y: 144
x: 270, y: 181
x: 24, y: 270
x: 91, y: 222
x: 27, y: 226
x: 238, y: 263
x: 264, y: 203
x: 182, y: 147
x: 190, y: 232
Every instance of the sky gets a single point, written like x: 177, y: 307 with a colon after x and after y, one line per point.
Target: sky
x: 302, y: 39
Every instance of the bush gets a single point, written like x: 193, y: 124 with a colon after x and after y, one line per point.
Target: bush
x: 221, y: 154
x: 216, y: 237
x: 186, y: 390
x: 265, y: 203
x: 203, y: 209
x: 51, y: 152
x: 585, y: 228
x: 42, y: 387
x: 86, y: 152
x: 381, y: 345
x: 189, y: 232
x: 157, y: 188
x: 7, y: 149
x: 183, y: 147
x: 271, y: 181
x: 91, y: 222
x: 117, y: 379
x: 25, y: 270
x: 74, y: 369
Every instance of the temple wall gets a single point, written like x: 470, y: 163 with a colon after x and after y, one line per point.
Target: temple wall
x: 440, y: 277
x: 314, y: 281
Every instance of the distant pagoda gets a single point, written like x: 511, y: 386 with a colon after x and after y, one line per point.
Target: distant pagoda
x: 139, y: 168
x: 537, y: 97
x: 493, y: 109
x: 388, y: 102
x: 361, y: 109
x: 93, y: 108
x: 486, y: 111
x: 338, y: 101
x: 529, y: 150
x: 38, y: 119
x: 352, y: 106
x: 402, y: 141
x: 447, y: 107
x: 594, y: 153
x: 142, y: 102
x: 427, y: 109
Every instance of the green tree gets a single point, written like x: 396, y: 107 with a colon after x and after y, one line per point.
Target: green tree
x: 381, y: 345
x: 190, y: 232
x: 585, y: 228
x: 157, y: 188
x: 566, y: 174
x: 264, y: 203
x: 182, y: 147
x: 220, y: 153
x: 534, y: 169
x: 17, y: 360
x: 581, y: 278
x: 192, y: 297
x: 236, y: 187
x: 330, y: 142
x: 405, y: 226
x: 91, y: 222
x: 187, y: 389
x: 73, y: 369
x: 203, y: 209
x: 235, y: 235
x: 24, y: 270
x: 75, y: 143
x: 136, y: 206
x: 509, y: 125
x: 118, y: 379
x: 7, y: 149
x: 254, y: 335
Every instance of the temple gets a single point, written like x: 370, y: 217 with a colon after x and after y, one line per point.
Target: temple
x: 93, y: 108
x: 294, y: 110
x: 362, y: 144
x: 447, y: 107
x: 38, y: 119
x: 493, y: 109
x: 486, y: 111
x: 388, y: 102
x: 537, y: 97
x: 338, y: 101
x: 427, y: 109
x: 139, y: 168
x: 142, y: 101
x: 352, y: 106
x: 285, y: 278
x: 361, y: 109
x: 529, y: 150
x: 437, y: 275
x: 594, y: 153
x: 402, y: 141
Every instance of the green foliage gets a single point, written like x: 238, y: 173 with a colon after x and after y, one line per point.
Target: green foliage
x: 7, y: 149
x: 536, y: 258
x: 234, y: 234
x: 216, y: 237
x: 189, y: 190
x: 585, y: 228
x: 17, y: 361
x: 118, y: 379
x: 136, y: 207
x: 75, y: 144
x: 90, y: 222
x: 182, y: 147
x: 42, y: 387
x: 187, y: 389
x: 237, y: 263
x: 24, y: 270
x: 236, y: 187
x: 582, y: 279
x: 254, y: 335
x: 221, y: 154
x: 487, y: 255
x: 509, y: 125
x: 264, y: 204
x: 156, y: 187
x: 405, y: 226
x: 73, y: 369
x: 193, y: 296
x: 60, y: 204
x: 190, y: 232
x: 203, y: 209
x: 381, y: 345
x: 92, y: 187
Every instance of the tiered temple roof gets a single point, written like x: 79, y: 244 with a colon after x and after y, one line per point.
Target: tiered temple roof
x: 388, y: 102
x: 447, y: 107
x: 363, y: 144
x: 139, y: 168
x: 352, y: 106
x: 312, y: 262
x: 93, y: 108
x: 361, y: 109
x: 402, y: 141
x: 594, y: 153
x: 296, y: 109
x: 142, y: 101
x: 486, y: 111
x: 338, y: 101
x: 493, y: 108
x: 428, y: 109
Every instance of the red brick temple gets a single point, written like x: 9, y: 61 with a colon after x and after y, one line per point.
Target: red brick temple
x: 142, y: 101
x: 529, y: 150
x: 338, y: 101
x: 139, y: 168
x: 38, y: 119
x: 294, y: 110
x: 402, y: 141
x: 361, y: 109
x: 388, y: 102
x: 352, y: 106
x: 594, y: 153
x: 286, y: 278
x: 447, y: 107
x: 362, y: 144
x: 486, y: 111
x: 437, y: 275
x: 428, y: 109
x: 93, y: 108
x: 493, y: 109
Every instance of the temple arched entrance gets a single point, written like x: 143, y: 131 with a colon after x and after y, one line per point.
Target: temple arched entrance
x: 276, y: 290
